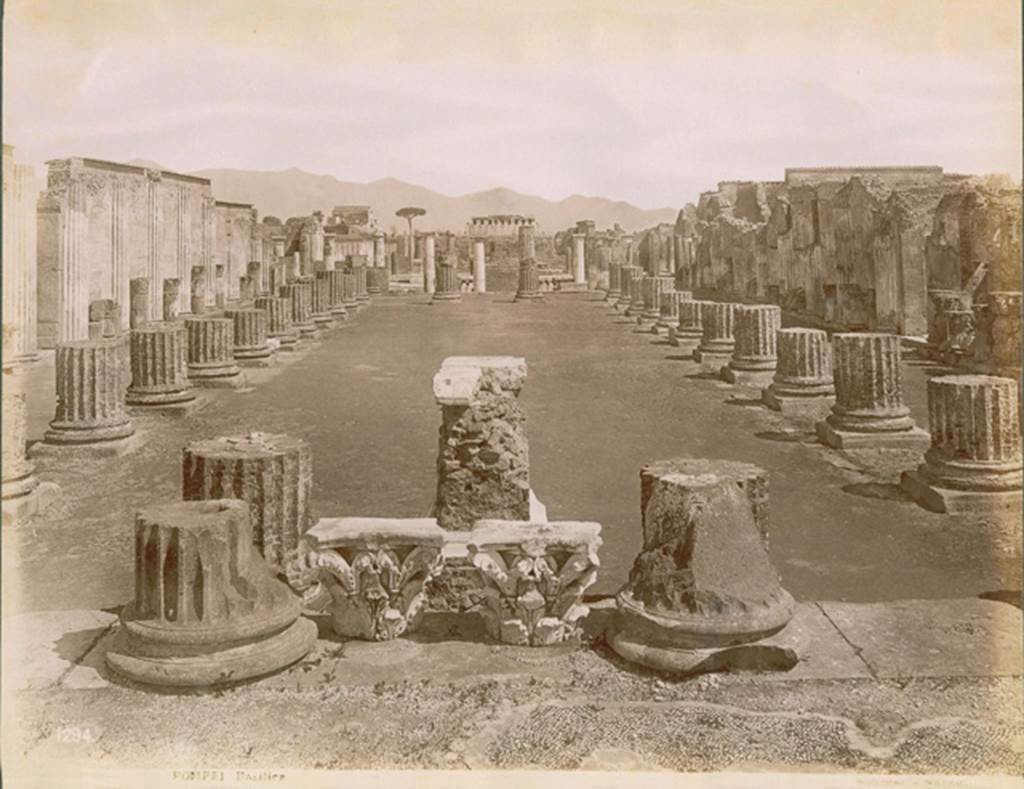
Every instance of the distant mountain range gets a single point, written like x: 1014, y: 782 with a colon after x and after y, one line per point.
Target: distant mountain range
x: 297, y: 193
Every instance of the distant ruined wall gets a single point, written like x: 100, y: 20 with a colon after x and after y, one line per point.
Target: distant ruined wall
x: 101, y: 224
x: 856, y: 253
x: 233, y: 242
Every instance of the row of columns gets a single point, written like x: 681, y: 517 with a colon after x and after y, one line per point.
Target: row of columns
x: 158, y: 364
x: 851, y: 384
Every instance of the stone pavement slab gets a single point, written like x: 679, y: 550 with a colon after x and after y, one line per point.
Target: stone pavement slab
x: 933, y: 638
x: 42, y: 647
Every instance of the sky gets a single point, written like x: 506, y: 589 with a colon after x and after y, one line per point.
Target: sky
x: 649, y: 102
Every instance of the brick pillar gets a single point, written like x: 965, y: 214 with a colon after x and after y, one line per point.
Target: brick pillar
x: 483, y: 467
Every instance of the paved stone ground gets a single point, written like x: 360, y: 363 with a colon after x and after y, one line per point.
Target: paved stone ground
x: 890, y: 684
x: 601, y: 400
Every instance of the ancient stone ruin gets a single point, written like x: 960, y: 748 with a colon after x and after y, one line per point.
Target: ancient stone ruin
x: 207, y: 609
x: 483, y: 465
x: 686, y: 607
x: 869, y: 409
x: 974, y: 462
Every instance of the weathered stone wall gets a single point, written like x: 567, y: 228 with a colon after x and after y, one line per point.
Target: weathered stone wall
x: 850, y: 248
x: 101, y: 224
x: 233, y: 242
x: 19, y: 262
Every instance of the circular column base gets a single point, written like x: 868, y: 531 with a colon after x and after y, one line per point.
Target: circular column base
x: 216, y: 666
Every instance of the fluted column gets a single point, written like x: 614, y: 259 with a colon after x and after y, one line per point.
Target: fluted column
x: 298, y: 296
x: 447, y: 285
x: 20, y: 484
x: 636, y: 294
x: 362, y: 294
x: 974, y: 461
x: 479, y: 266
x: 379, y: 251
x: 718, y: 341
x: 171, y: 299
x: 251, y: 348
x: 527, y: 246
x: 869, y: 409
x: 755, y: 355
x: 529, y: 281
x: 378, y: 280
x: 626, y: 276
x: 90, y: 412
x: 336, y: 295
x: 211, y: 360
x: 320, y: 300
x: 802, y: 385
x: 429, y: 264
x: 614, y: 286
x: 348, y: 287
x: 20, y: 344
x: 579, y: 247
x: 668, y: 311
x: 273, y: 474
x: 279, y: 321
x: 159, y: 358
x: 651, y: 291
x: 206, y: 606
x: 689, y: 331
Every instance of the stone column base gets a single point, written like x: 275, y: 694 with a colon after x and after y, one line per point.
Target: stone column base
x: 769, y: 654
x: 534, y: 296
x: 210, y: 665
x: 28, y: 503
x: 758, y: 378
x: 220, y: 376
x: 712, y: 361
x: 754, y: 641
x: 61, y: 449
x: 919, y: 485
x: 323, y: 320
x: 150, y: 401
x: 308, y: 331
x: 445, y: 297
x: 911, y: 438
x: 613, y: 296
x: 815, y: 407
